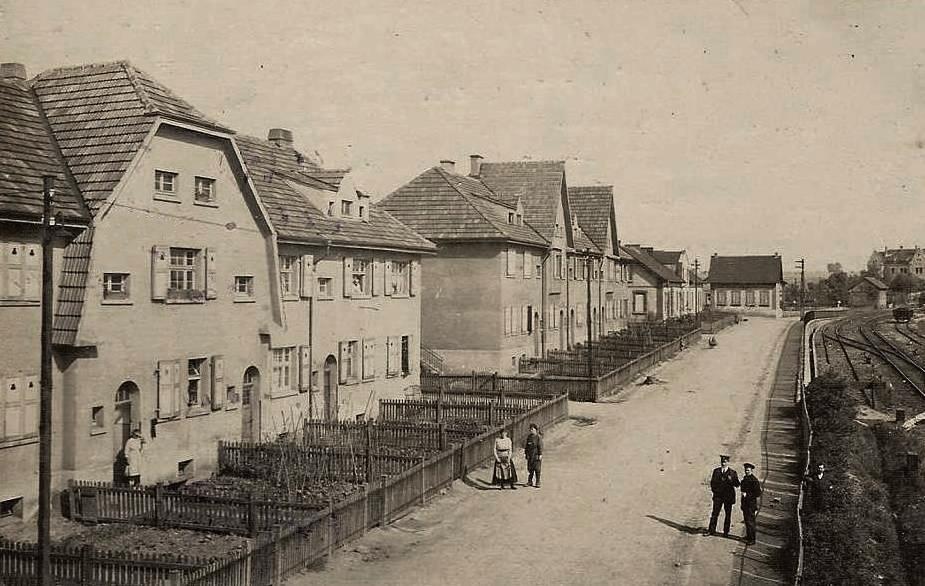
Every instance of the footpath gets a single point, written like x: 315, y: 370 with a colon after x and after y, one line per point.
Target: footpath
x: 625, y: 494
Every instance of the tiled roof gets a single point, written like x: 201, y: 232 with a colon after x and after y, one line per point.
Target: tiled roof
x: 27, y: 152
x: 593, y: 206
x: 71, y: 288
x: 445, y: 206
x: 642, y: 256
x: 100, y: 114
x: 899, y: 255
x: 274, y: 170
x: 582, y: 242
x: 667, y: 257
x: 538, y: 184
x: 874, y: 282
x: 746, y: 269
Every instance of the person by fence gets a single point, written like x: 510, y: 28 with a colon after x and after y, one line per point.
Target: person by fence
x: 818, y: 484
x: 504, y: 472
x: 533, y: 452
x: 723, y: 483
x: 751, y: 492
x: 134, y: 454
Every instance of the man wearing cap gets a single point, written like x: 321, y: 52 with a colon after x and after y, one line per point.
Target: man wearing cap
x: 751, y: 492
x: 723, y: 483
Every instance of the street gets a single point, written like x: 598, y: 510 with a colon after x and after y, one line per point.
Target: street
x: 625, y: 488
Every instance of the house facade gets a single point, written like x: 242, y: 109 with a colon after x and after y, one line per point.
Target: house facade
x: 747, y: 284
x: 868, y: 292
x: 899, y: 261
x: 654, y: 290
x: 22, y: 168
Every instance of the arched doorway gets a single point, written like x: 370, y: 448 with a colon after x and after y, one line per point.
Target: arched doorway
x: 125, y: 416
x: 563, y: 343
x: 330, y: 388
x: 250, y: 395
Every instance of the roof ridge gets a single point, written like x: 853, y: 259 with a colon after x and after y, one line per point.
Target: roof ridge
x: 132, y: 74
x: 528, y: 162
x: 97, y: 65
x: 443, y: 174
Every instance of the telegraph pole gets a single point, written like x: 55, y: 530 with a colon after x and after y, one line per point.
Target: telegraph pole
x: 48, y: 194
x: 590, y: 324
x: 802, y: 264
x: 696, y: 289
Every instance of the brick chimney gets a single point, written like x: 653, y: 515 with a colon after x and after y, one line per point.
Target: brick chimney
x: 475, y: 165
x: 281, y: 137
x: 448, y: 165
x: 12, y: 71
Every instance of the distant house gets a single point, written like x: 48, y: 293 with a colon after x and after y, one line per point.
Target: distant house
x: 652, y: 285
x: 899, y: 261
x: 747, y: 284
x: 868, y: 292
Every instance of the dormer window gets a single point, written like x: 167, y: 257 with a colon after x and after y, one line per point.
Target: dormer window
x: 165, y: 182
x: 520, y: 220
x: 362, y: 212
x: 510, y: 218
x: 346, y: 208
x: 205, y: 190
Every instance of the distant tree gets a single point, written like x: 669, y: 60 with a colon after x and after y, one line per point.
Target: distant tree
x: 834, y: 267
x: 874, y: 265
x: 903, y: 285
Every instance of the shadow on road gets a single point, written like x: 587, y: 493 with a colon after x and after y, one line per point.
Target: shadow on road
x: 478, y: 484
x: 677, y: 526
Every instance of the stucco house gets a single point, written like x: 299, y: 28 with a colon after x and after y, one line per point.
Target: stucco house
x: 868, y: 292
x: 653, y: 287
x: 747, y: 284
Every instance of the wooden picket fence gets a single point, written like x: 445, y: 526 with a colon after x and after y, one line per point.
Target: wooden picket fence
x: 436, y: 411
x: 371, y: 435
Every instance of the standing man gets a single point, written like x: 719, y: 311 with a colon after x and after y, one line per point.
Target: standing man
x: 723, y: 483
x: 817, y: 485
x: 533, y: 452
x: 134, y: 447
x: 751, y: 492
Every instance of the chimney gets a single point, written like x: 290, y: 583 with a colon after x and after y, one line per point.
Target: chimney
x: 13, y: 71
x: 475, y: 165
x: 448, y: 165
x: 281, y: 137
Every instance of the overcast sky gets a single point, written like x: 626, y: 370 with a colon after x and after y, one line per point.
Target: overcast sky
x: 725, y: 126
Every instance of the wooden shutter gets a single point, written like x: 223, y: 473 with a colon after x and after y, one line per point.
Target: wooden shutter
x: 415, y: 267
x: 32, y: 272
x: 414, y: 354
x: 218, y: 381
x: 348, y: 276
x: 167, y: 383
x: 211, y: 281
x: 307, y: 282
x: 387, y: 277
x: 305, y: 368
x: 30, y: 402
x: 342, y: 364
x: 377, y: 284
x: 528, y: 264
x: 14, y: 270
x: 160, y: 272
x: 12, y: 420
x: 369, y: 358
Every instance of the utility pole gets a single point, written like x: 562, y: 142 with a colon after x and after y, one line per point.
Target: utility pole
x: 590, y: 323
x: 696, y: 289
x: 45, y: 577
x: 802, y: 264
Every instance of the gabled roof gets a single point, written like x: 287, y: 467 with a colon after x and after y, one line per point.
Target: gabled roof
x: 445, y: 206
x: 100, y: 115
x: 593, y: 206
x: 538, y: 184
x: 277, y: 171
x: 899, y: 255
x: 582, y: 242
x: 872, y: 281
x: 667, y: 257
x: 642, y: 256
x: 758, y: 270
x: 27, y: 152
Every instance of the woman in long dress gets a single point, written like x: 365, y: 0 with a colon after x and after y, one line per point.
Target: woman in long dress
x: 505, y: 472
x: 134, y: 448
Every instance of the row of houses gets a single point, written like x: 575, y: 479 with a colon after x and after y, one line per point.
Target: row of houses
x: 211, y: 286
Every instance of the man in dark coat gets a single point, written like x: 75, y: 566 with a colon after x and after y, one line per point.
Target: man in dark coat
x: 817, y: 485
x: 723, y: 483
x: 751, y: 492
x: 533, y: 452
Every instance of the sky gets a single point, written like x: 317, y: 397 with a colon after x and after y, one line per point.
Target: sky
x: 729, y: 126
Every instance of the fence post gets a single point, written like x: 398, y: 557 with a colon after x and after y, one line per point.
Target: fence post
x: 366, y: 506
x: 423, y: 480
x: 86, y: 567
x: 491, y: 414
x: 442, y: 436
x: 369, y: 451
x: 440, y: 407
x: 385, y: 500
x: 175, y: 577
x: 277, y: 556
x: 159, y: 516
x: 330, y: 526
x: 251, y: 515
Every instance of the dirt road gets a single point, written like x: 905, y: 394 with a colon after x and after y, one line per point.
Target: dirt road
x: 625, y: 488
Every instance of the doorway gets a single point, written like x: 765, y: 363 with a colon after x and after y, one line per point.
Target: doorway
x: 571, y: 328
x: 250, y: 394
x: 330, y: 388
x: 563, y: 343
x: 125, y: 416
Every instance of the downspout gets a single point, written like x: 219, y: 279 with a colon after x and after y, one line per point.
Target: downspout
x: 544, y: 288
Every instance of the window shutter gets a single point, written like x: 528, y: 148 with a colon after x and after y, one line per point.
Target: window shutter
x: 205, y: 383
x: 307, y: 282
x: 30, y: 405
x: 348, y: 276
x: 415, y: 277
x: 32, y: 272
x: 160, y: 272
x: 387, y: 277
x: 528, y: 264
x: 14, y: 270
x: 413, y: 355
x: 12, y: 420
x: 369, y: 358
x: 511, y: 255
x: 342, y: 365
x: 377, y: 283
x: 211, y: 274
x: 305, y: 368
x: 218, y: 381
x: 166, y: 401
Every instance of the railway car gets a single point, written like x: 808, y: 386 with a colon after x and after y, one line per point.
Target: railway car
x: 902, y: 314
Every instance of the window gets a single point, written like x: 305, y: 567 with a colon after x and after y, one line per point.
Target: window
x: 750, y: 297
x: 629, y: 273
x: 721, y: 297
x: 510, y: 217
x: 528, y: 264
x: 764, y: 298
x: 194, y: 380
x: 350, y: 361
x: 330, y: 208
x: 96, y: 418
x: 248, y: 384
x: 11, y: 507
x: 165, y: 182
x: 401, y: 277
x: 19, y: 407
x: 231, y: 395
x: 244, y: 287
x: 511, y: 262
x: 325, y: 288
x: 639, y: 302
x: 362, y: 276
x: 529, y: 319
x: 204, y: 190
x: 115, y: 286
x: 559, y: 272
x: 362, y: 212
x: 519, y: 267
x: 346, y: 208
x: 288, y: 267
x: 405, y: 355
x: 508, y: 327
x: 185, y: 468
x: 183, y: 265
x: 283, y: 371
x: 520, y: 220
x: 736, y: 297
x: 538, y: 266
x: 20, y: 272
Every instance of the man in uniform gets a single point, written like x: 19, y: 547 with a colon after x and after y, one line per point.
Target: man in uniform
x: 533, y: 452
x: 723, y: 483
x: 751, y: 491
